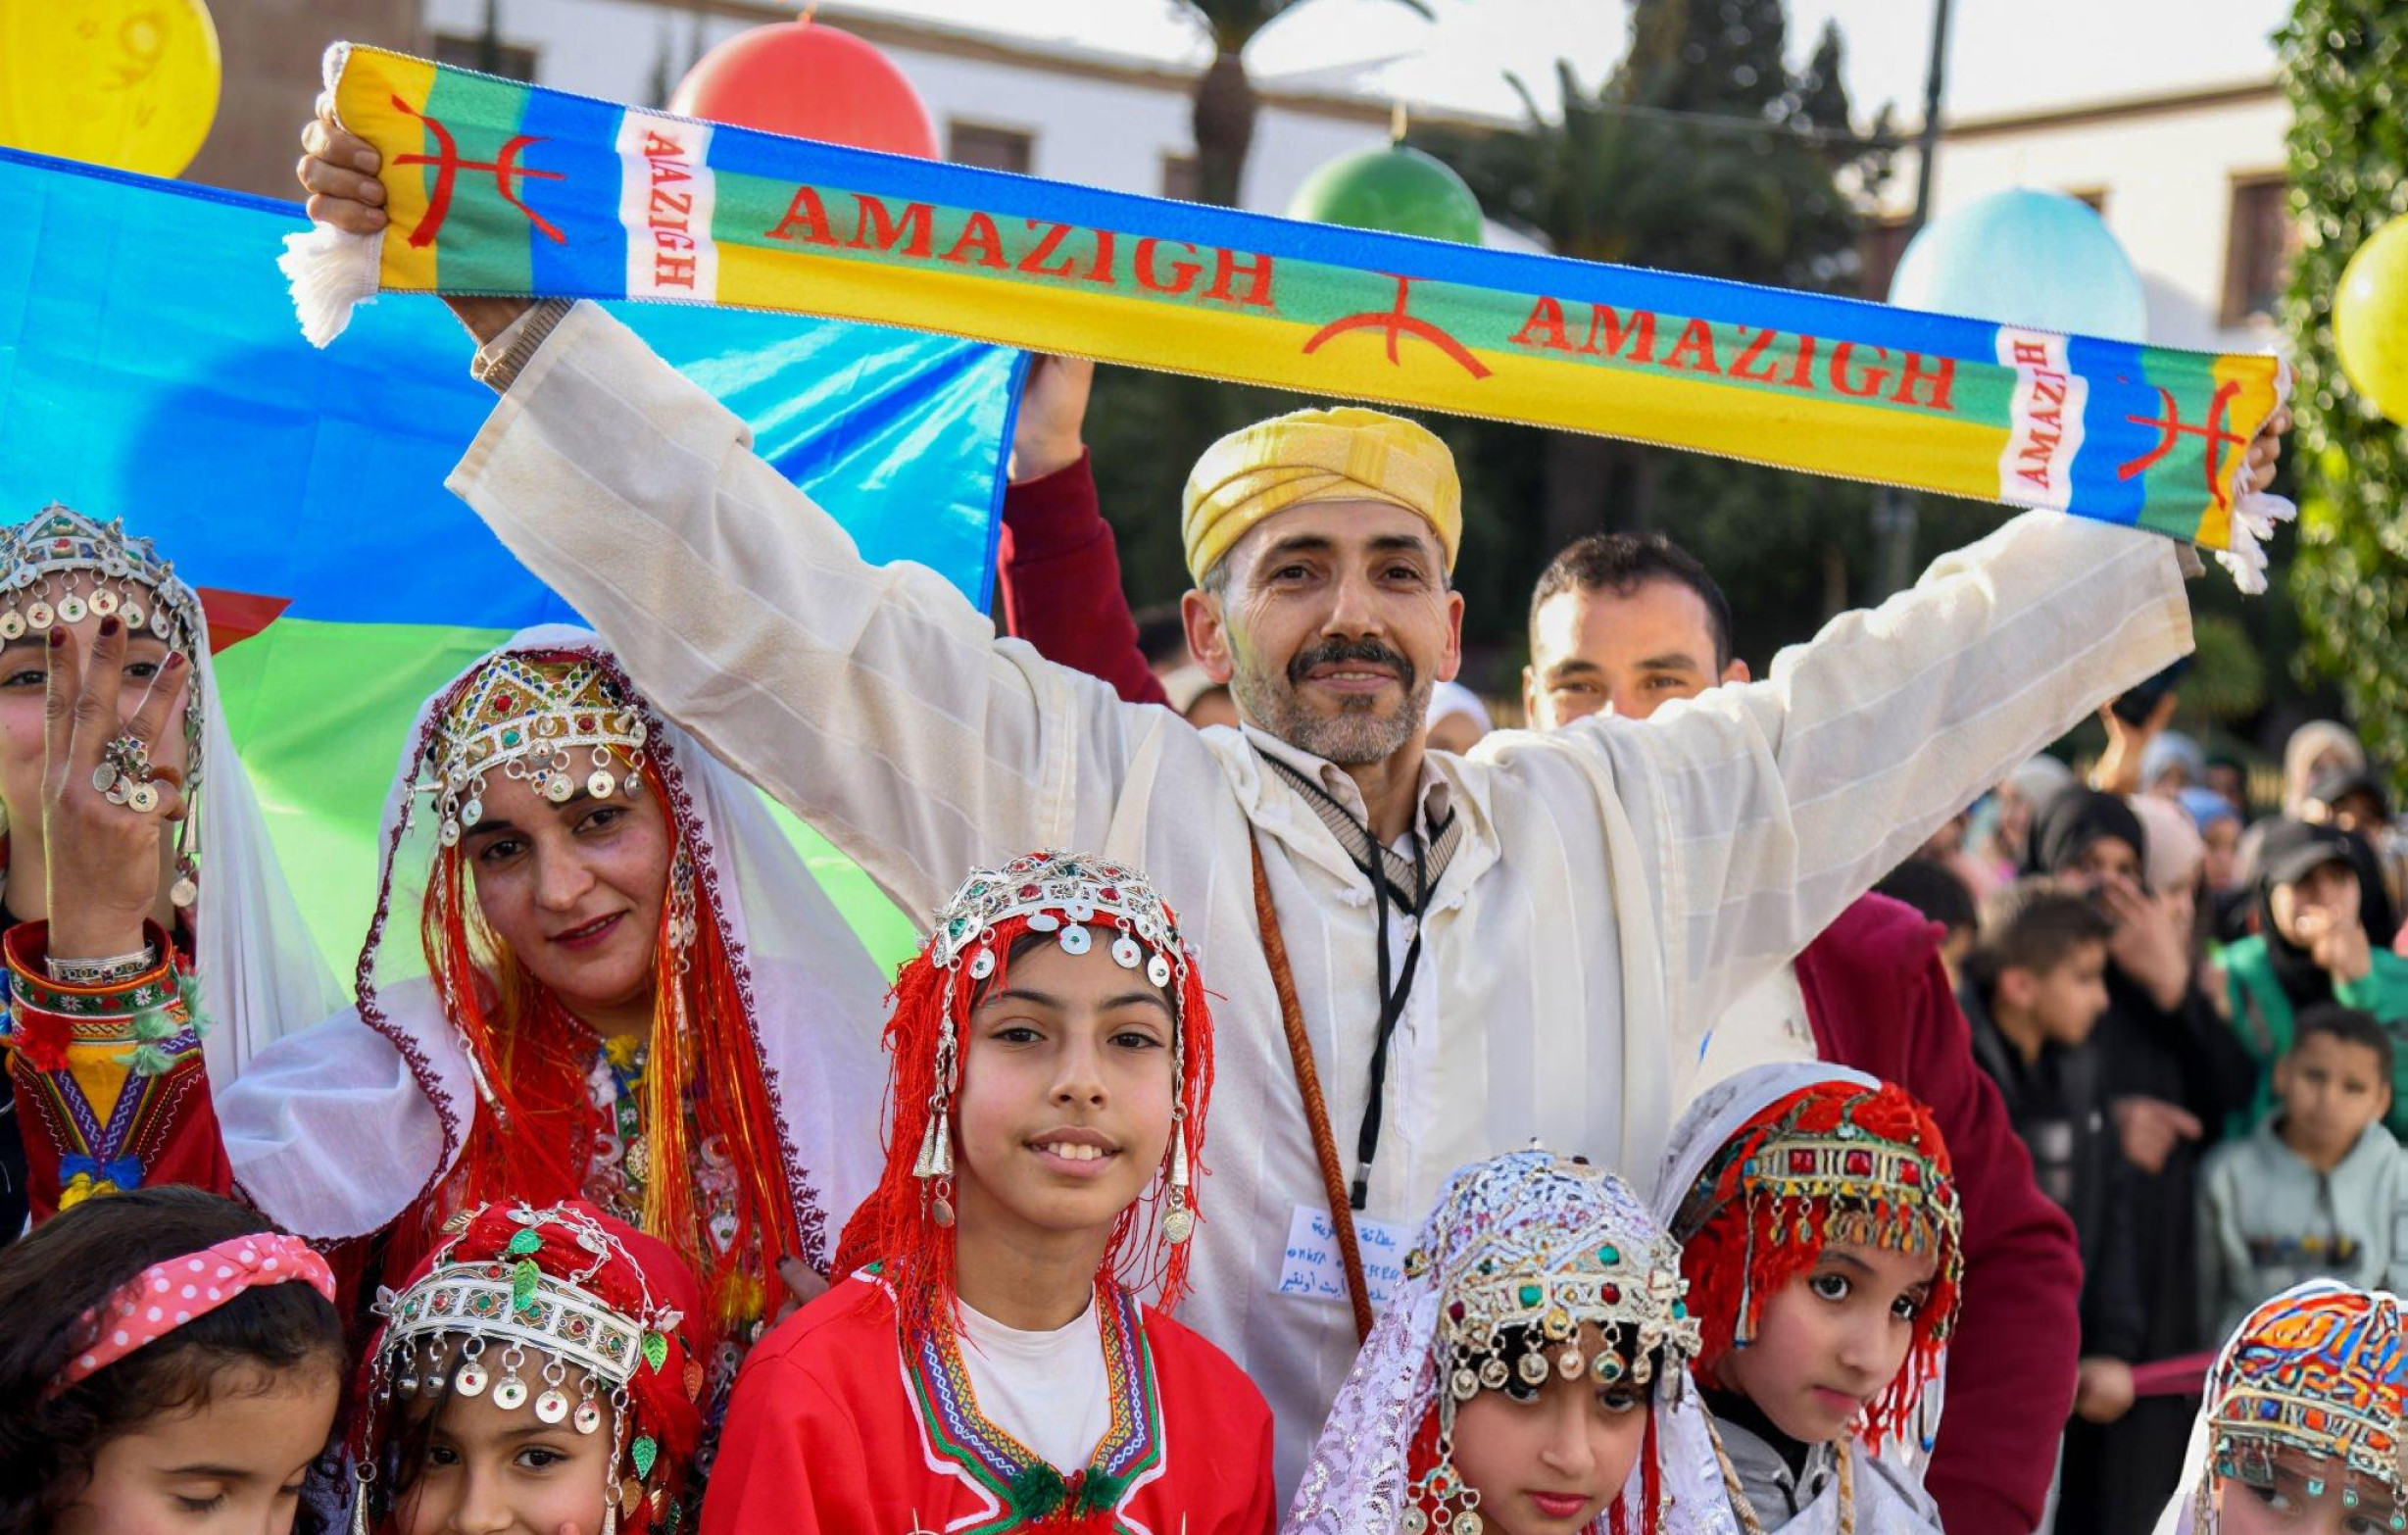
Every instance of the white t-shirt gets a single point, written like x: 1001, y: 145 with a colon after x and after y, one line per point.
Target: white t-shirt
x: 1046, y: 1389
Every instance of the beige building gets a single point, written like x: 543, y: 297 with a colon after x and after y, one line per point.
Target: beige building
x: 2189, y: 183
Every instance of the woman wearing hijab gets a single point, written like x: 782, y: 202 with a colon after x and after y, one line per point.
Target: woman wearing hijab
x: 2174, y: 1072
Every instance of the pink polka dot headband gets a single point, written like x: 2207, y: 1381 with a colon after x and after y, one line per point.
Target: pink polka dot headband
x: 164, y: 1296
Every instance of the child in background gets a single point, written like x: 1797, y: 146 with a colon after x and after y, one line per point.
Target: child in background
x: 2320, y: 1188
x: 542, y: 1372
x: 168, y: 1361
x: 988, y: 1364
x: 1821, y: 1240
x: 2301, y: 1428
x: 1530, y: 1376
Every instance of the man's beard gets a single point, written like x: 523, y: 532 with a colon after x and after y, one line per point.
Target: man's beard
x: 1355, y: 736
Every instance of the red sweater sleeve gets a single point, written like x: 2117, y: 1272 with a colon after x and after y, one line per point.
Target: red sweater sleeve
x: 1878, y: 1000
x: 1058, y: 577
x: 791, y: 1459
x: 72, y: 1057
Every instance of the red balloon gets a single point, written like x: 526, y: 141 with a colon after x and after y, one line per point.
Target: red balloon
x: 809, y: 80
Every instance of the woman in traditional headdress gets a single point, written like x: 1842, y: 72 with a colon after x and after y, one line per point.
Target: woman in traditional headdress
x: 598, y: 969
x: 2303, y: 1424
x: 1528, y: 1376
x: 1821, y: 1239
x: 540, y: 1371
x: 988, y: 1363
x: 139, y: 893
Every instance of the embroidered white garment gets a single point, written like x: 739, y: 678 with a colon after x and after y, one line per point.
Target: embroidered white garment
x: 1617, y: 883
x: 336, y: 1130
x: 1048, y: 1390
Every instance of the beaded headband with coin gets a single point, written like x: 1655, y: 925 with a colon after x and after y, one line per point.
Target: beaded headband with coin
x: 1066, y: 895
x: 61, y: 567
x: 2325, y: 1376
x: 583, y: 1351
x: 1524, y: 1251
x: 528, y: 718
x: 1880, y: 1192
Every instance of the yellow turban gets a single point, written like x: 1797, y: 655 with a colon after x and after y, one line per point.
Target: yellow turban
x: 1344, y: 454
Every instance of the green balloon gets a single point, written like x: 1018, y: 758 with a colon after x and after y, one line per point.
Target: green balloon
x: 1397, y: 190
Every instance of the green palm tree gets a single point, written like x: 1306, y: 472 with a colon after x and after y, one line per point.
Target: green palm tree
x: 1225, y: 100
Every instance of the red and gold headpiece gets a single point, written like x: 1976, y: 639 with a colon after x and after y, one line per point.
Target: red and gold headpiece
x: 906, y: 1223
x: 576, y: 1318
x: 1836, y: 1162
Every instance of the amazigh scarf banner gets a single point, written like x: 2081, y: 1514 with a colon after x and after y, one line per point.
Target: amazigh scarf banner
x: 499, y: 187
x: 314, y: 480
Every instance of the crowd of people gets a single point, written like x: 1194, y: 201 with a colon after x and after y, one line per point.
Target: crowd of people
x: 1590, y: 1149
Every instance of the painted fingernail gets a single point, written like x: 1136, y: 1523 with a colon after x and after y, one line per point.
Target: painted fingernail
x: 58, y: 635
x: 109, y: 626
x: 175, y: 660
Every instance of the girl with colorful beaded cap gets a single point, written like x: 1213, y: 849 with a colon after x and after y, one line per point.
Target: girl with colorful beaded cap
x: 541, y: 1371
x: 1820, y: 1234
x: 2304, y: 1424
x: 988, y: 1365
x: 138, y: 889
x: 1530, y: 1375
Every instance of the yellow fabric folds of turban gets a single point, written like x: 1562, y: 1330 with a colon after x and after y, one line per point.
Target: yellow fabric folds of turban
x: 1344, y: 454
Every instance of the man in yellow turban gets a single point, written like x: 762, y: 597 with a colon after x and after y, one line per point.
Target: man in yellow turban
x: 1339, y: 527
x: 1533, y: 939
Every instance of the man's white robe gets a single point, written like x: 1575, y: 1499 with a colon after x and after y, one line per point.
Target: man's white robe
x: 1617, y: 886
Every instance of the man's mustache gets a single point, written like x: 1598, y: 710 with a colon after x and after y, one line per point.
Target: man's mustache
x: 1331, y: 652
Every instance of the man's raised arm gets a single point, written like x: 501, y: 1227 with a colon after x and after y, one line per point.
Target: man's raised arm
x: 875, y: 702
x: 1768, y: 806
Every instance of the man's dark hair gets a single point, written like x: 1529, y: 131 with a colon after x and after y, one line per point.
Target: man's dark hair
x: 1934, y: 890
x: 1621, y: 564
x: 2349, y: 1025
x: 2033, y: 924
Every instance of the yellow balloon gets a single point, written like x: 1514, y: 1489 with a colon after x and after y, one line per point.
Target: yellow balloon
x: 2369, y: 320
x: 129, y: 83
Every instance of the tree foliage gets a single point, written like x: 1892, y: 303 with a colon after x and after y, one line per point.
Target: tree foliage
x: 2345, y: 72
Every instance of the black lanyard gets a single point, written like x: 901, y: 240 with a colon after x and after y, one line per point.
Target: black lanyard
x: 1392, y: 994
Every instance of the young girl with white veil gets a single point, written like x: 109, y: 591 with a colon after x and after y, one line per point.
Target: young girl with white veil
x: 1821, y: 1240
x: 1529, y: 1376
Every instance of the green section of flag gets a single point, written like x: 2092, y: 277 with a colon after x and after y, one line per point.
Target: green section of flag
x: 482, y: 113
x: 321, y: 712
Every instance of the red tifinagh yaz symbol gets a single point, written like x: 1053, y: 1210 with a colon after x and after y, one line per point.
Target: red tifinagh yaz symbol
x: 449, y: 165
x: 1397, y: 321
x: 2172, y: 426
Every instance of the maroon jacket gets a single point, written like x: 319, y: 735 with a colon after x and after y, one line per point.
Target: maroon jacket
x: 1878, y: 999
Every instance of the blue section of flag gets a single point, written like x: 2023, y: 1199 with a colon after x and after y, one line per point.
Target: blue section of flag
x: 596, y: 254
x: 150, y: 367
x: 2119, y: 390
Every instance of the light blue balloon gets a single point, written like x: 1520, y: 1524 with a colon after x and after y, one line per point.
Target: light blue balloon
x: 2024, y: 258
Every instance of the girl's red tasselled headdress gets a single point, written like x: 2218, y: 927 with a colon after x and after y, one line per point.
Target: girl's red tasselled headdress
x: 905, y: 1226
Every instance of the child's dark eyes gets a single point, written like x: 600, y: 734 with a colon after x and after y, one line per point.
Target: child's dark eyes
x: 1136, y: 1039
x: 1831, y: 1287
x: 1619, y: 1400
x: 1906, y: 1308
x: 602, y: 819
x: 540, y: 1457
x: 198, y: 1506
x: 1016, y: 1034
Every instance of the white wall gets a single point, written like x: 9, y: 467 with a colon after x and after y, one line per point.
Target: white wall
x: 2168, y: 179
x: 1102, y: 132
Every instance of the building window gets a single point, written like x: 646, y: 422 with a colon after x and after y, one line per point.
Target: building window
x: 991, y: 148
x: 1180, y: 181
x: 2257, y: 247
x: 511, y: 60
